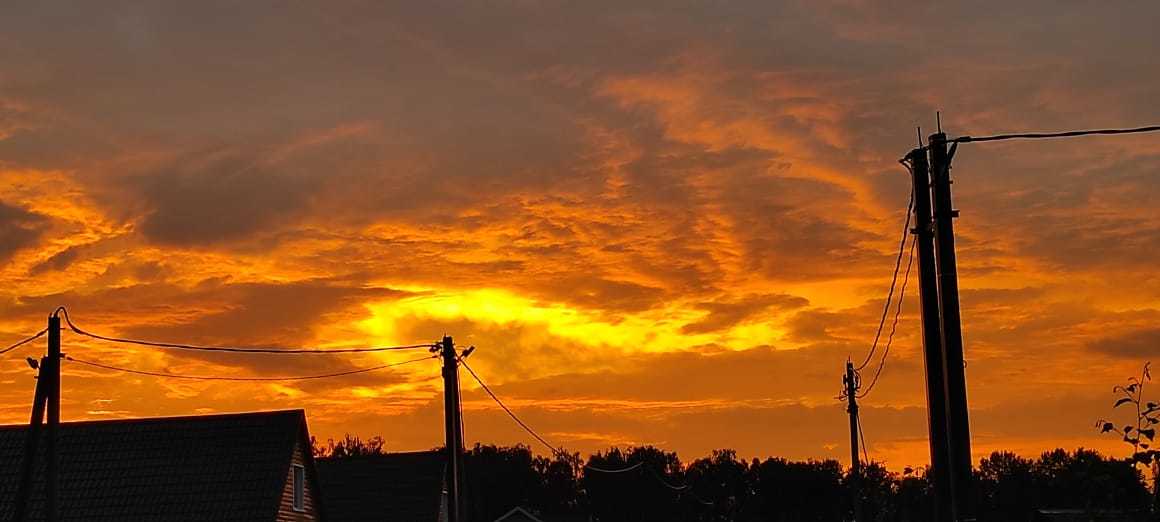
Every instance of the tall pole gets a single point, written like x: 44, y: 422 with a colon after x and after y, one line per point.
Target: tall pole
x: 31, y: 446
x: 855, y: 465
x: 952, y: 335
x: 936, y: 407
x: 452, y: 428
x: 52, y: 446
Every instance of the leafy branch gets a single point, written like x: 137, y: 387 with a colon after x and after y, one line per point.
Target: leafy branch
x: 1142, y: 435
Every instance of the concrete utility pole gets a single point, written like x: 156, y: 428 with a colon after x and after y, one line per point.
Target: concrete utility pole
x: 936, y: 406
x: 453, y: 428
x: 952, y: 335
x: 851, y: 383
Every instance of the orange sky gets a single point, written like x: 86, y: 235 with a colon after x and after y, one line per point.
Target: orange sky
x: 665, y: 224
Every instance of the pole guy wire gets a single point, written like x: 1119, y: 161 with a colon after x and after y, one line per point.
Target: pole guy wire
x: 865, y: 453
x: 231, y: 349
x: 225, y: 378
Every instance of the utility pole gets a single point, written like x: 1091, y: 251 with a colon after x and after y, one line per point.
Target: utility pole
x: 952, y: 335
x: 936, y: 406
x: 851, y: 383
x: 452, y: 428
x: 47, y: 395
x: 52, y: 447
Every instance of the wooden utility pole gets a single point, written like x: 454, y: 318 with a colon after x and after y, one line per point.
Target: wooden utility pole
x: 936, y: 406
x: 453, y: 428
x: 951, y: 323
x: 47, y: 395
x: 851, y: 383
x: 52, y: 446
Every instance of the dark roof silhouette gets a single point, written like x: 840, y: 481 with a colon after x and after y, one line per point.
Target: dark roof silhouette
x: 518, y: 514
x: 213, y: 467
x: 390, y: 486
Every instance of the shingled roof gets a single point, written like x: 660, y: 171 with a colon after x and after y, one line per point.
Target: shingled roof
x: 391, y: 486
x: 214, y: 467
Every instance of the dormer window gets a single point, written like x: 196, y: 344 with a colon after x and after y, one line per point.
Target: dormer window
x: 299, y: 488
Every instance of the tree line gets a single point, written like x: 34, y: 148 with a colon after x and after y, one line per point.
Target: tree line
x: 722, y: 486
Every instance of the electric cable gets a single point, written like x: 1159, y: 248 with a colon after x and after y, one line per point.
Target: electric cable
x: 894, y: 324
x: 509, y: 411
x: 179, y: 346
x: 557, y: 451
x: 27, y: 340
x: 1045, y: 135
x: 225, y: 378
x: 893, y: 282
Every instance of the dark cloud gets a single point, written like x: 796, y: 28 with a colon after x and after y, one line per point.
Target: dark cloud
x: 725, y: 314
x: 58, y: 261
x: 1141, y: 344
x: 19, y: 229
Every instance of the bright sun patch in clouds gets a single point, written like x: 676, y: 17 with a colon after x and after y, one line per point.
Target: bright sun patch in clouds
x: 656, y: 330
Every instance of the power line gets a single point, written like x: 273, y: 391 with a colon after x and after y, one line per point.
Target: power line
x: 1068, y: 134
x: 894, y: 324
x: 621, y: 470
x: 556, y: 451
x: 509, y: 411
x: 893, y: 282
x: 221, y: 378
x: 38, y: 335
x: 232, y: 349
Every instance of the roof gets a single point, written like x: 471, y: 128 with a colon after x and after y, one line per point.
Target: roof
x: 518, y: 514
x: 213, y: 467
x: 390, y: 486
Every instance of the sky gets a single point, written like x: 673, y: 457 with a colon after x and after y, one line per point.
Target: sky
x: 661, y: 223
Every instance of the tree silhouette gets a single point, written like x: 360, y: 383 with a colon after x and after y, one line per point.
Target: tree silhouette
x: 1007, y: 486
x: 349, y: 446
x: 497, y: 479
x: 799, y: 491
x: 722, y: 487
x: 648, y: 484
x: 724, y: 479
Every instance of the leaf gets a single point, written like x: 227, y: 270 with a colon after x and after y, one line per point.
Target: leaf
x: 1150, y: 433
x: 1132, y: 387
x: 1122, y: 401
x: 1144, y: 445
x: 1127, y: 429
x: 1107, y: 427
x: 1151, y: 405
